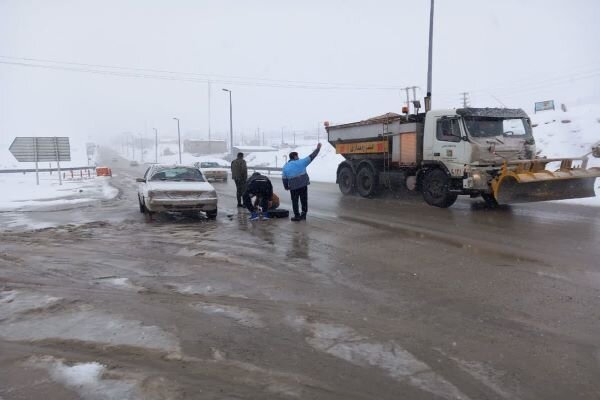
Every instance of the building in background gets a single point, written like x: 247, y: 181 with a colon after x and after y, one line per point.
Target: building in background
x: 200, y: 146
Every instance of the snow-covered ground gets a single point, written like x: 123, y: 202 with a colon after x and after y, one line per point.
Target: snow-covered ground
x: 570, y: 134
x: 322, y: 169
x: 20, y: 192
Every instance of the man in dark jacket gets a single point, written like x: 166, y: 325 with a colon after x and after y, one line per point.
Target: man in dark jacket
x: 295, y: 179
x: 239, y: 174
x: 260, y: 186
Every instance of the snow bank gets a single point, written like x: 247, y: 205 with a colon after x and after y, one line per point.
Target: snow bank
x: 322, y: 169
x: 87, y: 379
x: 570, y: 134
x: 20, y: 192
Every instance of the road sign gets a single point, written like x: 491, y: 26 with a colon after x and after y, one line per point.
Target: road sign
x: 36, y: 149
x: 544, y: 105
x: 32, y: 149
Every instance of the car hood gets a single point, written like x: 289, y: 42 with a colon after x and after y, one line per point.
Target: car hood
x: 213, y: 170
x: 180, y: 186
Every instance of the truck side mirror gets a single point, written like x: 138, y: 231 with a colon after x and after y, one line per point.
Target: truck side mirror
x: 465, y: 139
x: 140, y: 180
x: 596, y: 150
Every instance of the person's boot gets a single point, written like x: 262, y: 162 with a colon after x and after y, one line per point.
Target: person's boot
x: 296, y: 218
x: 303, y: 216
x: 265, y: 216
x: 240, y: 205
x: 254, y: 216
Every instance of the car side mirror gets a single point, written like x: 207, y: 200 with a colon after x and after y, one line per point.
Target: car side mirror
x: 140, y: 180
x: 596, y: 151
x: 465, y: 139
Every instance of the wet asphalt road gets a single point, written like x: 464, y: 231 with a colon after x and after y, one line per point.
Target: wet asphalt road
x: 369, y: 299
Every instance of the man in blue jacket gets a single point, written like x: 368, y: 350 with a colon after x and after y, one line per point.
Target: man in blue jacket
x: 295, y: 179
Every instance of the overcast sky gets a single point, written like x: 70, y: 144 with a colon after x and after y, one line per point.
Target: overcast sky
x: 290, y: 65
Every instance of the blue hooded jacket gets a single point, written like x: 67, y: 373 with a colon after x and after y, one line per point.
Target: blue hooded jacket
x: 294, y: 174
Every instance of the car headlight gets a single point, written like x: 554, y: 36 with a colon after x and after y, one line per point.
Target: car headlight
x: 209, y: 195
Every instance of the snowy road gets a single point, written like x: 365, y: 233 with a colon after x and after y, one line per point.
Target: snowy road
x: 369, y: 299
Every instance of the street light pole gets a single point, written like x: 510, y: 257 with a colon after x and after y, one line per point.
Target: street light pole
x: 178, y: 138
x: 429, y: 60
x: 155, y: 145
x: 141, y: 148
x: 230, y: 121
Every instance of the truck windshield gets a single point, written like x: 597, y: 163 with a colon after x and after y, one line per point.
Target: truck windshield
x: 489, y: 127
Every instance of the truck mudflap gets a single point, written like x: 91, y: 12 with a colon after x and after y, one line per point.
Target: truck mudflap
x: 529, y: 181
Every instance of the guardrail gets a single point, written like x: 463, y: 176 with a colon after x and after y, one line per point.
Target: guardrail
x: 26, y: 170
x: 268, y: 169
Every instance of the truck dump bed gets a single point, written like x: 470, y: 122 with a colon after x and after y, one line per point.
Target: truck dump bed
x: 388, y: 135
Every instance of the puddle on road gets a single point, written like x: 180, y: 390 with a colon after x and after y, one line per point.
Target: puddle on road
x: 80, y: 323
x: 13, y: 302
x: 345, y: 343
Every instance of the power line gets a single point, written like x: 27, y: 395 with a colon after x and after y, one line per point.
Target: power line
x: 185, y: 76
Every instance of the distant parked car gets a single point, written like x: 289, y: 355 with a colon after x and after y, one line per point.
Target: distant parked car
x: 133, y: 163
x: 213, y: 171
x: 176, y: 188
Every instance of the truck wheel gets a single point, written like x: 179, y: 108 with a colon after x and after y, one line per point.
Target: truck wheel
x: 346, y: 180
x: 366, y: 182
x: 436, y: 189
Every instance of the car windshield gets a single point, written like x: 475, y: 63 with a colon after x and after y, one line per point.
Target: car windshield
x: 209, y: 165
x: 490, y: 127
x: 176, y: 174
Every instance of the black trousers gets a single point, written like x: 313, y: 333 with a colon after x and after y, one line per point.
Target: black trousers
x: 302, y: 195
x: 263, y: 194
x: 240, y: 185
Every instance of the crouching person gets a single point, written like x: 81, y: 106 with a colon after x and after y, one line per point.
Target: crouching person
x: 260, y: 186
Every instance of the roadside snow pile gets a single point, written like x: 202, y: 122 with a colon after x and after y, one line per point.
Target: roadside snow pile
x: 322, y: 169
x: 89, y: 379
x: 20, y: 192
x: 570, y: 134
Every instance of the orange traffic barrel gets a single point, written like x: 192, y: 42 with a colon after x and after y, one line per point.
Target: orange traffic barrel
x: 103, y: 171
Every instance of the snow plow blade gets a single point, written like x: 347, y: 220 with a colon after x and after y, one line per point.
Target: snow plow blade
x: 530, y: 181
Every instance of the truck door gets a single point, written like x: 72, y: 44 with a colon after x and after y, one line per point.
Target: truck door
x: 449, y: 146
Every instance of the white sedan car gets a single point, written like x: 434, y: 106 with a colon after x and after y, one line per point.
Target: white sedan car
x: 213, y: 171
x: 176, y: 188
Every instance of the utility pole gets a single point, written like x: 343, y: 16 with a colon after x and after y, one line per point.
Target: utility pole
x: 132, y: 147
x: 430, y: 60
x: 178, y: 137
x: 318, y: 131
x: 407, y: 89
x: 230, y: 121
x: 209, y: 114
x: 465, y: 99
x: 142, y: 148
x: 155, y: 145
x: 282, y: 135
